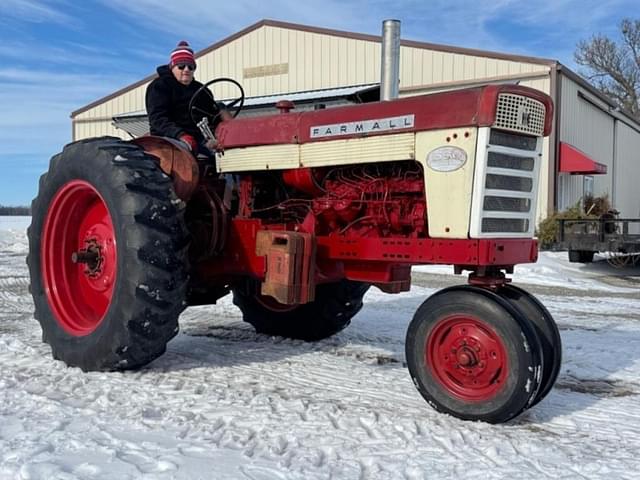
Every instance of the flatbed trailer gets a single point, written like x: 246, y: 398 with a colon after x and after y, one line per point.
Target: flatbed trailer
x: 585, y: 237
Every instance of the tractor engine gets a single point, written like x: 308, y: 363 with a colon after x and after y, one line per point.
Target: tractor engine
x: 353, y: 201
x: 372, y: 201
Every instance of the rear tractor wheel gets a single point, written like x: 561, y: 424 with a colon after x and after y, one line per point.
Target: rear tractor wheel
x: 107, y: 256
x: 471, y: 354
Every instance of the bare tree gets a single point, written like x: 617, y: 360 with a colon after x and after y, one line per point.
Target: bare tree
x: 614, y: 67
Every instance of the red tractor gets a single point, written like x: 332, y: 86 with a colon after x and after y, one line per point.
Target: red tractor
x: 298, y: 217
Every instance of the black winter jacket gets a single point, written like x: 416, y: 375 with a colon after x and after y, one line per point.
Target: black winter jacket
x: 167, y: 102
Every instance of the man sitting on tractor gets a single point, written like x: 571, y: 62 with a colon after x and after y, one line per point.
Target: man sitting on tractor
x: 168, y: 98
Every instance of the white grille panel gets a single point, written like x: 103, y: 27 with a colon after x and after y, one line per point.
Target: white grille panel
x: 505, y: 186
x: 520, y: 114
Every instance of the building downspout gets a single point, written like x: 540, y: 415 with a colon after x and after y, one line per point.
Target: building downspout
x: 554, y: 140
x: 614, y: 161
x: 390, y: 62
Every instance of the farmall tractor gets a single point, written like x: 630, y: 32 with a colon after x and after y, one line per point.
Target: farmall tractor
x: 297, y: 218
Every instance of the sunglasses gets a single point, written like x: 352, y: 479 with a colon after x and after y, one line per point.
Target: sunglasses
x: 190, y: 66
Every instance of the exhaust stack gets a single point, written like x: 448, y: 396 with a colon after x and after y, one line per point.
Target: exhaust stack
x: 390, y: 64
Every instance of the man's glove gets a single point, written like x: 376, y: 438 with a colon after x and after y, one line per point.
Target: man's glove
x: 190, y: 142
x: 212, y: 145
x: 225, y: 115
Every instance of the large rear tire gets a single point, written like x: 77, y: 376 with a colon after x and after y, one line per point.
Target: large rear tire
x: 107, y: 256
x: 472, y: 355
x: 331, y: 311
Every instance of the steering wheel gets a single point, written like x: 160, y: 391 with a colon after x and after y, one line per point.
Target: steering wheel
x: 233, y: 107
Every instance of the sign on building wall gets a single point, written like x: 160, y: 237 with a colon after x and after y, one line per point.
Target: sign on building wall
x: 266, y: 70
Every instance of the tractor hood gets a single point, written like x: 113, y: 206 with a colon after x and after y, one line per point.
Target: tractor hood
x: 474, y: 107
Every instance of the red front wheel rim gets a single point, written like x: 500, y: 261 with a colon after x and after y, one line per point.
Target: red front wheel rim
x: 467, y: 357
x: 78, y: 257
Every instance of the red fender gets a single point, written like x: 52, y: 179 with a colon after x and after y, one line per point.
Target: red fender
x: 175, y: 161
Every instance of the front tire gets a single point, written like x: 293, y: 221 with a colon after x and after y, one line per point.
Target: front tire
x: 107, y: 256
x: 547, y: 331
x: 331, y: 311
x: 472, y: 355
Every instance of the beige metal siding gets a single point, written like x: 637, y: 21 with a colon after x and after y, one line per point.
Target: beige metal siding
x: 97, y: 121
x: 306, y: 61
x: 570, y: 190
x: 96, y: 129
x: 587, y: 126
x: 420, y: 66
x: 627, y: 171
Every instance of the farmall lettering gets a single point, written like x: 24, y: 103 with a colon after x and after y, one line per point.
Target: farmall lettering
x: 362, y: 127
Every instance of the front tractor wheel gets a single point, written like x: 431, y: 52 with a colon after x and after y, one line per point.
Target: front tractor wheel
x: 331, y: 311
x: 107, y: 256
x: 473, y: 355
x: 547, y: 331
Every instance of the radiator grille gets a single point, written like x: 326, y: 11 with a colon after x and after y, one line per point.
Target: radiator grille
x: 520, y: 114
x: 502, y: 225
x: 505, y: 188
x: 513, y: 140
x: 504, y: 160
x: 509, y: 182
x: 506, y: 204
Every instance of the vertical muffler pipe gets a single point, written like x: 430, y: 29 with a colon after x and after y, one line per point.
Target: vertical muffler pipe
x: 390, y: 64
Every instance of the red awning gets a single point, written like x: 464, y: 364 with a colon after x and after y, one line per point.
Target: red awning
x: 575, y: 162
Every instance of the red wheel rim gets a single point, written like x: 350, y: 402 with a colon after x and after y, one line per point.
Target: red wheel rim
x: 78, y: 257
x: 467, y: 357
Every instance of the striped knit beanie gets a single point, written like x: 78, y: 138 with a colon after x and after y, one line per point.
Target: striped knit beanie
x: 182, y: 54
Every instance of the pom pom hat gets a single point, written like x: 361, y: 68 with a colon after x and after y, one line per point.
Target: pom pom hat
x: 182, y: 54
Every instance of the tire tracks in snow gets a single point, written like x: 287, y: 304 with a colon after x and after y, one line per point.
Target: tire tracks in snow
x: 14, y: 295
x: 341, y: 408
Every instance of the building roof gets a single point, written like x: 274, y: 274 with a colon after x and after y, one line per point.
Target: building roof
x: 335, y: 33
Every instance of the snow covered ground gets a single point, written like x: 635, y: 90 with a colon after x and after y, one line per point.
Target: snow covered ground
x: 226, y: 403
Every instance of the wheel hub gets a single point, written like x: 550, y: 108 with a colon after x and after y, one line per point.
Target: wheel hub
x: 91, y: 257
x: 467, y: 358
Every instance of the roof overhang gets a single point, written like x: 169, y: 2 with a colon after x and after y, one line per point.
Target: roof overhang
x: 575, y: 162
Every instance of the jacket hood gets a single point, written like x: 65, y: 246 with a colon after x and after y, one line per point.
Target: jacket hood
x: 163, y: 70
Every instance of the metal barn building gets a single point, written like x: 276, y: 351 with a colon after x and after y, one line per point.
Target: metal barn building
x: 594, y: 148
